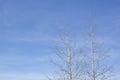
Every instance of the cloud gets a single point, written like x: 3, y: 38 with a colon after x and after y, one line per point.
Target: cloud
x: 22, y: 76
x: 22, y: 58
x: 39, y: 40
x: 25, y: 63
x: 115, y: 76
x: 22, y: 63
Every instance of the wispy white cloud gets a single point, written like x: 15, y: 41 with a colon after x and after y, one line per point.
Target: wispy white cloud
x: 18, y: 63
x: 22, y: 58
x: 22, y: 76
x: 37, y: 76
x: 115, y: 76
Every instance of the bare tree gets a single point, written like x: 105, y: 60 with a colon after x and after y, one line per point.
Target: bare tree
x: 69, y: 60
x: 97, y: 69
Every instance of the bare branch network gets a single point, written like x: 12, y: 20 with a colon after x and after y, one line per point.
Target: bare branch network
x: 72, y: 64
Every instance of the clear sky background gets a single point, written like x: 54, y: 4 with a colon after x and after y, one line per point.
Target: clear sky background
x: 29, y: 30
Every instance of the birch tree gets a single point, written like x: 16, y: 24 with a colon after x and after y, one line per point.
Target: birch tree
x: 69, y: 60
x: 97, y: 69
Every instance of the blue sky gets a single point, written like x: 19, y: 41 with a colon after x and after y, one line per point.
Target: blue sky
x: 29, y: 30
